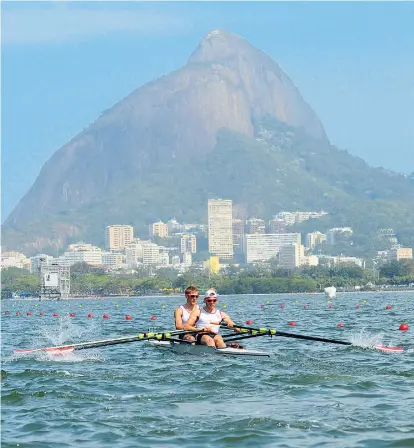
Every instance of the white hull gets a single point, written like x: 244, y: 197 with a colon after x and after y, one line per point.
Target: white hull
x: 183, y: 348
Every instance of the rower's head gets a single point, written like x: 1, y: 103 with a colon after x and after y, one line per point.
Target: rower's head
x: 211, y: 298
x: 191, y: 294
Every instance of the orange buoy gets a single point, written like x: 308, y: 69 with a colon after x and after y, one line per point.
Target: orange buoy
x: 404, y: 327
x: 340, y: 324
x: 153, y: 317
x: 388, y: 307
x: 292, y: 324
x: 90, y: 315
x: 106, y: 316
x: 249, y: 322
x: 128, y: 317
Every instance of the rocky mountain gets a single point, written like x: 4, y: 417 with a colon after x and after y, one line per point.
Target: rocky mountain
x: 229, y: 123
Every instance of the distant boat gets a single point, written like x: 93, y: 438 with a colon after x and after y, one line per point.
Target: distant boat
x: 330, y: 291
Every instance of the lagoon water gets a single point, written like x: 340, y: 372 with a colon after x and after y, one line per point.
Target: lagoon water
x: 308, y: 394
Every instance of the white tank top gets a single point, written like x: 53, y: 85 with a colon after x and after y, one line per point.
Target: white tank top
x: 206, y: 319
x: 186, y: 313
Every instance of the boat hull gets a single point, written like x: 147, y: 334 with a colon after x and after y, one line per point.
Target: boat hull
x: 182, y: 348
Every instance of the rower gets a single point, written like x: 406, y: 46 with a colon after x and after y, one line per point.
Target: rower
x: 208, y: 319
x: 182, y: 313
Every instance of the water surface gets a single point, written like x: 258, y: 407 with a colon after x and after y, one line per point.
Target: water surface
x: 133, y: 395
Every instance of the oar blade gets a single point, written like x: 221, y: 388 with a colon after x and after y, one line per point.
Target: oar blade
x: 63, y: 351
x: 384, y: 348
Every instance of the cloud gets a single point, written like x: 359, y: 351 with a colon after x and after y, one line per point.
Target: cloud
x: 61, y: 22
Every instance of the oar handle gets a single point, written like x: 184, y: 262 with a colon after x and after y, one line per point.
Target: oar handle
x: 274, y: 332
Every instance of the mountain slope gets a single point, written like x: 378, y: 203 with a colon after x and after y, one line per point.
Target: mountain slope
x: 176, y: 115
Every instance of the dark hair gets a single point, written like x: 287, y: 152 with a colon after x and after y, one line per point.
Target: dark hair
x: 190, y: 289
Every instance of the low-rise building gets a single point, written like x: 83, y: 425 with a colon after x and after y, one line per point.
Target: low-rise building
x: 400, y: 253
x: 260, y: 247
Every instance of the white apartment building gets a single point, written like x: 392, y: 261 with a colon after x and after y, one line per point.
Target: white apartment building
x: 298, y: 217
x: 159, y: 229
x: 134, y: 253
x: 36, y: 261
x: 314, y: 239
x: 309, y: 260
x: 335, y: 261
x: 117, y: 237
x: 91, y: 257
x: 260, y: 247
x: 187, y: 259
x: 173, y: 226
x: 150, y: 253
x: 112, y: 259
x: 164, y: 259
x: 220, y: 228
x: 14, y: 259
x: 255, y: 225
x: 188, y: 244
x: 289, y: 256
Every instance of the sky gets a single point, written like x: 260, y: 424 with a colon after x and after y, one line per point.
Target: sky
x: 63, y: 63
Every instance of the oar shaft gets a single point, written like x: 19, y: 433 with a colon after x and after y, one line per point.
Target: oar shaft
x: 273, y: 332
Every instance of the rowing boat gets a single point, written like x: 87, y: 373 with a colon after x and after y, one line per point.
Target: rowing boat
x: 181, y: 348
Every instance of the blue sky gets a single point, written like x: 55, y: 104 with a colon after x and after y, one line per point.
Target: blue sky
x: 63, y: 63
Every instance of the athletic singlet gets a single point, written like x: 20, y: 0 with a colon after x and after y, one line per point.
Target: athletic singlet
x: 206, y: 319
x: 186, y: 313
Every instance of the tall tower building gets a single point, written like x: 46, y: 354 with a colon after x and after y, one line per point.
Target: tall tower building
x: 117, y: 237
x: 220, y: 228
x: 159, y: 229
x: 188, y: 244
x: 277, y: 226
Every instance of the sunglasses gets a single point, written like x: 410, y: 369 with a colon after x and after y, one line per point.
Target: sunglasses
x: 194, y: 296
x: 211, y: 300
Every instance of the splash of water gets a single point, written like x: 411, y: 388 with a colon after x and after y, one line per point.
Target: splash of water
x: 64, y: 331
x: 365, y: 339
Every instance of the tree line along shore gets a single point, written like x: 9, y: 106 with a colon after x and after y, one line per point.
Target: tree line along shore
x: 262, y: 279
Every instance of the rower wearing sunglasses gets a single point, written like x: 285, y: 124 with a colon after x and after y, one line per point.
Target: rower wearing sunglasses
x: 183, y: 312
x: 208, y: 319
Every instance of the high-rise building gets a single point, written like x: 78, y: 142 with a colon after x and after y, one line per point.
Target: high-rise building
x: 188, y: 244
x: 277, y: 226
x: 150, y: 252
x: 134, y: 253
x: 159, y: 229
x: 220, y: 228
x: 265, y: 247
x: 239, y: 230
x: 117, y: 237
x: 255, y: 225
x: 314, y: 239
x: 289, y: 256
x: 187, y: 259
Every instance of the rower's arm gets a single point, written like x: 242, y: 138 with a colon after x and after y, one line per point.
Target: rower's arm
x: 228, y: 321
x: 178, y: 315
x: 189, y: 325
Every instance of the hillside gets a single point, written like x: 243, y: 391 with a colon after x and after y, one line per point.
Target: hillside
x: 230, y: 123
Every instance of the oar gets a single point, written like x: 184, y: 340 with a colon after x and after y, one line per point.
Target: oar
x: 63, y: 349
x: 254, y: 332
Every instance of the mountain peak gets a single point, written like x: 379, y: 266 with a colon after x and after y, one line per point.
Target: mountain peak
x: 216, y: 45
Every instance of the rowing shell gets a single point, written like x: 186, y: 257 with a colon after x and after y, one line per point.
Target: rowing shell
x: 183, y: 348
